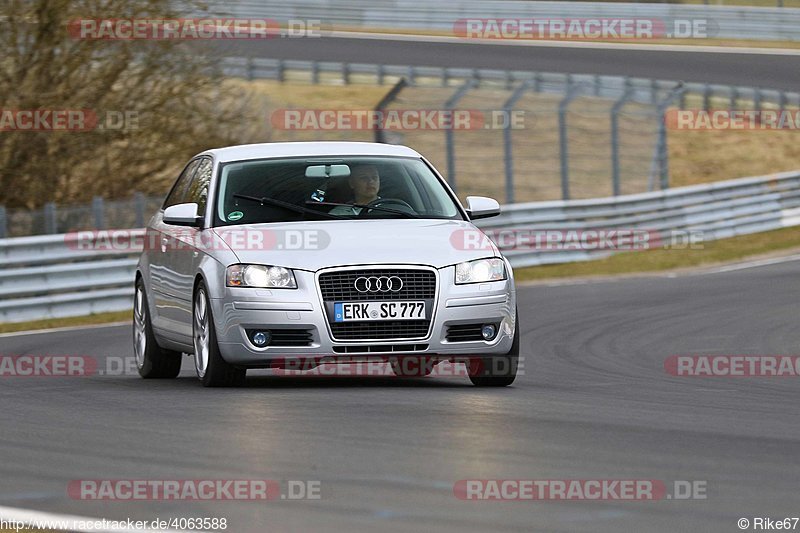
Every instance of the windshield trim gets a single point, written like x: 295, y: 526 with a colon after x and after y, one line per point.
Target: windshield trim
x: 214, y: 221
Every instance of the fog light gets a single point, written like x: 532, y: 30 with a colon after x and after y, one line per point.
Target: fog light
x: 261, y: 338
x: 488, y: 331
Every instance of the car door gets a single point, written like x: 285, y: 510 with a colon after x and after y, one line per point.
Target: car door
x: 186, y: 250
x: 162, y: 241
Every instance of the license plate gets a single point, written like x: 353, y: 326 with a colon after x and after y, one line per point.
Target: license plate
x: 349, y: 311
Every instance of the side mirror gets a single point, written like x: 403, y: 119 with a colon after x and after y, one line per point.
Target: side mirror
x: 482, y: 207
x: 182, y: 215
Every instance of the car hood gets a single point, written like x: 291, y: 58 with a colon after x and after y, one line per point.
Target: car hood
x: 314, y: 245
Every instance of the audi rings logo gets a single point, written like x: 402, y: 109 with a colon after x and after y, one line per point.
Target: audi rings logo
x: 378, y: 284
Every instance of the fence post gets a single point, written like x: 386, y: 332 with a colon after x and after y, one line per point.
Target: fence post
x: 734, y: 98
x: 615, y: 109
x: 412, y: 75
x: 757, y: 99
x: 49, y: 212
x: 782, y: 101
x: 563, y: 141
x: 661, y: 145
x: 138, y: 203
x: 508, y: 108
x: 98, y: 209
x: 3, y: 222
x: 346, y: 73
x: 448, y: 132
x: 388, y: 98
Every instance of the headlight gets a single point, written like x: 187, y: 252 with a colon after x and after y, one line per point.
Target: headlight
x: 493, y: 269
x: 269, y: 277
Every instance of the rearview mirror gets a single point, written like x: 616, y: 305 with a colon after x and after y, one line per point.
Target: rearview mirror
x: 482, y: 207
x: 182, y: 215
x: 327, y: 171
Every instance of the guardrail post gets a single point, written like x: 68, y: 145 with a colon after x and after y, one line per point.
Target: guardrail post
x: 449, y: 105
x: 445, y: 77
x: 757, y: 99
x: 508, y: 108
x: 537, y: 82
x: 509, y: 80
x: 381, y: 74
x: 597, y: 85
x: 280, y: 70
x: 250, y: 69
x: 3, y: 222
x: 98, y: 209
x: 49, y: 214
x: 782, y: 101
x: 734, y: 98
x: 315, y: 73
x: 615, y: 109
x: 707, y: 97
x: 412, y: 75
x: 138, y: 204
x: 563, y: 141
x: 388, y: 98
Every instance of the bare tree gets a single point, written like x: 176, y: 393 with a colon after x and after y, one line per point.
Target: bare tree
x: 170, y: 94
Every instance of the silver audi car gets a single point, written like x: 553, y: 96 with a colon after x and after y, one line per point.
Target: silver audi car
x: 266, y: 255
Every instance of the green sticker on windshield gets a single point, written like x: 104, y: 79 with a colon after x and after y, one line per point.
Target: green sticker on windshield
x: 236, y: 215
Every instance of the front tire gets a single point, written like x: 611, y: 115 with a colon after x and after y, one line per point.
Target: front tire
x: 152, y: 361
x: 212, y: 369
x: 499, y: 370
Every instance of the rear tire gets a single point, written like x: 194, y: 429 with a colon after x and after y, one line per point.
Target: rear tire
x: 499, y: 370
x: 152, y: 361
x: 212, y: 369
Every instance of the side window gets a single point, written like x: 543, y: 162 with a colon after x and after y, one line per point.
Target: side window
x: 178, y: 193
x: 198, y: 189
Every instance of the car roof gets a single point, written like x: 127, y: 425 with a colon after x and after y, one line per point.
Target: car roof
x: 310, y: 149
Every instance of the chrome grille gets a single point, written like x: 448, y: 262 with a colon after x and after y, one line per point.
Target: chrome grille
x: 339, y: 286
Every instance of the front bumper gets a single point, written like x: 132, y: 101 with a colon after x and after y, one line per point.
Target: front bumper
x: 243, y: 309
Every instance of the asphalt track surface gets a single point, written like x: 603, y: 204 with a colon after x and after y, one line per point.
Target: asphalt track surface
x: 744, y: 69
x: 594, y: 403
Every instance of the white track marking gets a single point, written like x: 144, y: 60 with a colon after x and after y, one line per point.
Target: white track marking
x: 752, y: 264
x: 65, y: 328
x: 51, y: 521
x: 566, y: 44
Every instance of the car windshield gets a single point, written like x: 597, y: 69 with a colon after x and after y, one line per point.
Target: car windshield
x: 285, y: 190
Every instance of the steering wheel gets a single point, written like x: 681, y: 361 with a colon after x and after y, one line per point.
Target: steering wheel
x: 390, y: 203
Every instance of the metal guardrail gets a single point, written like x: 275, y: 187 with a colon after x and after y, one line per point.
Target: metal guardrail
x: 51, y: 276
x: 727, y: 22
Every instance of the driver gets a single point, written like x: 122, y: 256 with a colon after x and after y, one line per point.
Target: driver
x: 365, y: 182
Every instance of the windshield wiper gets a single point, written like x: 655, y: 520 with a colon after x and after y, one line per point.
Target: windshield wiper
x: 284, y: 205
x: 362, y: 206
